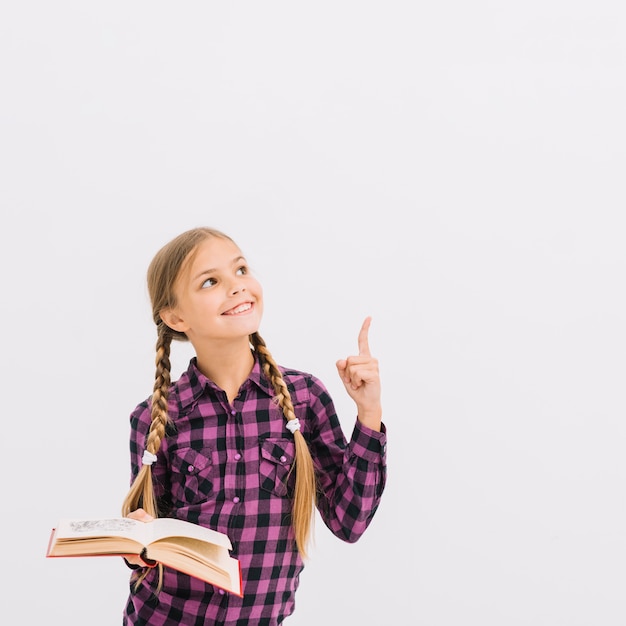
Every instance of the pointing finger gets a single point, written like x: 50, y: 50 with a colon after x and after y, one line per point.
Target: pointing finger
x: 364, y: 347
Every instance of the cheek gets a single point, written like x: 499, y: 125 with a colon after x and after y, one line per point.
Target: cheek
x: 257, y: 290
x: 258, y: 294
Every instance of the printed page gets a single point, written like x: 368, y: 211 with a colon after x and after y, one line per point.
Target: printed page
x: 143, y: 532
x: 107, y: 527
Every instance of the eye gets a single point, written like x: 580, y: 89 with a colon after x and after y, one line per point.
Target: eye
x: 241, y: 271
x: 209, y: 282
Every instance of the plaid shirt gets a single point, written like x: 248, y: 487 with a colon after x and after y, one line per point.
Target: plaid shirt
x: 226, y: 466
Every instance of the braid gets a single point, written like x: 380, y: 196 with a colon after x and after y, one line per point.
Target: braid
x: 305, y: 489
x: 141, y: 493
x: 160, y: 390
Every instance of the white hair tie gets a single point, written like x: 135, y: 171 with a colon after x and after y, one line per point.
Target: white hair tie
x: 293, y: 425
x: 148, y: 458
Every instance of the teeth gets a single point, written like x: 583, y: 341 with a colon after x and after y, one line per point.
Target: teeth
x: 240, y: 309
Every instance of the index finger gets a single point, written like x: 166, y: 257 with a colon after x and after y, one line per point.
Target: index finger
x: 364, y: 347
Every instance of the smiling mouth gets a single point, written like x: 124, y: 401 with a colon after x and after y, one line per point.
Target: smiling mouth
x: 242, y: 308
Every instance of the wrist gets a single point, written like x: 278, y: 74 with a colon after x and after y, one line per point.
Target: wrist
x: 372, y: 418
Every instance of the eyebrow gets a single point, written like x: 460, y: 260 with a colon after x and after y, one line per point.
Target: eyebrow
x: 213, y: 269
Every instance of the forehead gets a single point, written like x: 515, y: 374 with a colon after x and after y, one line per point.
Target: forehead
x: 212, y: 254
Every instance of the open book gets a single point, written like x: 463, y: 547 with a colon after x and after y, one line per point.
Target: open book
x: 187, y: 547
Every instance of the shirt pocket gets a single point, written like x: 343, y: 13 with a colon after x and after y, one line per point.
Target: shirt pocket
x: 276, y: 460
x: 192, y: 476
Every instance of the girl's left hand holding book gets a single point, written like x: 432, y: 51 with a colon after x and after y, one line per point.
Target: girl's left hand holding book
x: 138, y: 561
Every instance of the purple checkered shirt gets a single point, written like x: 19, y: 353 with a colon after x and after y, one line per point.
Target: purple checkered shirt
x: 225, y: 466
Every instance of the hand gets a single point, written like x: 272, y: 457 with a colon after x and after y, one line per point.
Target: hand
x: 141, y: 516
x: 362, y: 381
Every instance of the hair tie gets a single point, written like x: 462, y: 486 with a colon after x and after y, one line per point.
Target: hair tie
x: 293, y: 425
x: 148, y: 458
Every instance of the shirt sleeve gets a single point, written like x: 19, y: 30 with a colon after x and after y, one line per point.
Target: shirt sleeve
x: 351, y: 474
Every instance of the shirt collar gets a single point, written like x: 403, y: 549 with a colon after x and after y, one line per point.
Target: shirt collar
x: 193, y: 383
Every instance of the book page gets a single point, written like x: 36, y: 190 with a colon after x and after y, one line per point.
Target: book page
x: 143, y: 532
x: 202, y: 560
x: 170, y: 527
x: 107, y: 527
x: 207, y: 554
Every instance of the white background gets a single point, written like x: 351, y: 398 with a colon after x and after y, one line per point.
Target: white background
x: 454, y: 169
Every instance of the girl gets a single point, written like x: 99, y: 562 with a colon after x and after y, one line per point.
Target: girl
x: 241, y: 444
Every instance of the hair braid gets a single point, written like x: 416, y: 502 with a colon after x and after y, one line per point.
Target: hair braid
x: 141, y: 493
x: 305, y: 490
x: 160, y: 390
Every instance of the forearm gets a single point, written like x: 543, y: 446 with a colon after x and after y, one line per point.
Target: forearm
x: 351, y: 494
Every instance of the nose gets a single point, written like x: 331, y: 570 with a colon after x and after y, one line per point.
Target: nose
x: 236, y: 288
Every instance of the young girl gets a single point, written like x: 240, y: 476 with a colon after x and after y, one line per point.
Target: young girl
x: 240, y: 444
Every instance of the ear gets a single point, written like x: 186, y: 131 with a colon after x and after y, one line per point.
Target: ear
x: 171, y: 319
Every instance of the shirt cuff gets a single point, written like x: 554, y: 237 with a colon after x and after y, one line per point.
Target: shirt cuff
x: 369, y: 444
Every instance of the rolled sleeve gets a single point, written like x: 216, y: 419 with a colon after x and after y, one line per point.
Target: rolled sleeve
x: 368, y: 444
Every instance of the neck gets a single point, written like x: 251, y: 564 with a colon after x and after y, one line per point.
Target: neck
x: 227, y: 366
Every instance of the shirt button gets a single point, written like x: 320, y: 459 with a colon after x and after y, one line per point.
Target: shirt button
x: 237, y: 456
x: 283, y: 459
x: 190, y: 468
x: 221, y: 592
x: 235, y: 499
x: 233, y: 412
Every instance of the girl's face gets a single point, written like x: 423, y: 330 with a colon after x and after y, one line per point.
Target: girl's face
x: 217, y: 296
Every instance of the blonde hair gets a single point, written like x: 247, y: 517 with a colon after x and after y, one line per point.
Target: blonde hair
x: 163, y: 272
